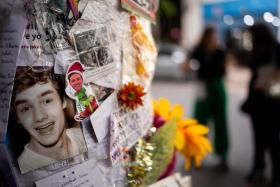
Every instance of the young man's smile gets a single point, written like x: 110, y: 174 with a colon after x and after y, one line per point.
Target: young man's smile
x: 46, y: 128
x: 39, y: 110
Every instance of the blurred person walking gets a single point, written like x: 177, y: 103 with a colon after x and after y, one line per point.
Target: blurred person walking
x: 211, y: 98
x: 262, y: 106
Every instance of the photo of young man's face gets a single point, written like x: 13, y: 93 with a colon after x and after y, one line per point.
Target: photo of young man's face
x: 41, y: 126
x: 76, y: 81
x: 39, y: 109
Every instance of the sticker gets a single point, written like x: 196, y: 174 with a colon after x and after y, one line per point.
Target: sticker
x: 76, y: 89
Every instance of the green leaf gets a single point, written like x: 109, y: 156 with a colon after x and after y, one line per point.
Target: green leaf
x: 164, y: 141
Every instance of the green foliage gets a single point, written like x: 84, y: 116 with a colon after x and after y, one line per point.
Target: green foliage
x: 164, y: 141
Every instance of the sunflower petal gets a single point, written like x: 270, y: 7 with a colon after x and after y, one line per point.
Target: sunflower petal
x: 187, y: 164
x: 155, y: 105
x: 179, y: 140
x: 187, y: 122
x: 198, y: 129
x: 198, y: 160
x: 164, y: 107
x: 206, y: 144
x: 177, y: 112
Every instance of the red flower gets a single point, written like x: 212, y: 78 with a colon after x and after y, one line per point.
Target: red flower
x: 131, y: 95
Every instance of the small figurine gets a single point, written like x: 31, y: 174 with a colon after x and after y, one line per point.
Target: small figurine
x: 76, y: 89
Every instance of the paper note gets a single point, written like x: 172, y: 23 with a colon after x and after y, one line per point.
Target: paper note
x: 127, y: 127
x: 11, y: 32
x: 86, y: 174
x: 100, y: 119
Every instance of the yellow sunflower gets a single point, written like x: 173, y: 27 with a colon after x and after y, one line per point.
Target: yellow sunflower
x: 190, y: 139
x: 163, y: 109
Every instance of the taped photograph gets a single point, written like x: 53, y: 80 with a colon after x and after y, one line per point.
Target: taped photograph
x: 88, y: 61
x: 93, y: 47
x: 101, y: 92
x: 41, y: 127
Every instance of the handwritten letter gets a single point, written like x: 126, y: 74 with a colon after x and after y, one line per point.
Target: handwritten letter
x: 10, y: 37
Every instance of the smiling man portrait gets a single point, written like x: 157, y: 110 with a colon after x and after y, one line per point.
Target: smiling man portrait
x: 39, y: 105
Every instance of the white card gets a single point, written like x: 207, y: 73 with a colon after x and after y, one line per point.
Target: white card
x: 125, y: 130
x: 86, y: 174
x: 127, y: 127
x: 100, y: 119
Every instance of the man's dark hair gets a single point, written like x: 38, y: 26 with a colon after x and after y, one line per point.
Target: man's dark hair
x: 27, y: 77
x: 73, y: 73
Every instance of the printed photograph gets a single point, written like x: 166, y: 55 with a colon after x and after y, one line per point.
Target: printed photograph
x: 104, y: 56
x: 88, y: 60
x: 84, y: 41
x: 41, y: 127
x: 93, y: 47
x: 101, y: 92
x: 102, y: 37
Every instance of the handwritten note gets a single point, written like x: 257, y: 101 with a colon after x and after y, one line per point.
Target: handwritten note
x: 10, y: 37
x: 127, y: 127
x: 86, y: 174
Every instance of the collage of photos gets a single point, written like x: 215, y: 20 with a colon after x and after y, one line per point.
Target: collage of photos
x: 41, y: 127
x: 64, y: 94
x: 93, y: 47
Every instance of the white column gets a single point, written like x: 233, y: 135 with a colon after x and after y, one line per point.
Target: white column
x: 192, y: 22
x: 278, y: 12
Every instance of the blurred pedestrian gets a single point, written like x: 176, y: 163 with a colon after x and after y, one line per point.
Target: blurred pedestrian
x: 211, y: 105
x: 263, y: 107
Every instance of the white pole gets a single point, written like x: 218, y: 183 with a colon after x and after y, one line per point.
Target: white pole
x: 192, y: 23
x: 278, y: 14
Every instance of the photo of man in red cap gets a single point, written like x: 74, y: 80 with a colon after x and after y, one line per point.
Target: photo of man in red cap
x: 85, y: 98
